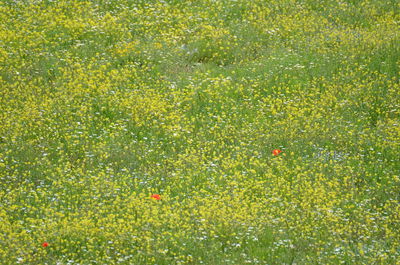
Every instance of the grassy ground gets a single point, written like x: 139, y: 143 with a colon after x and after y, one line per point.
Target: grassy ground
x: 104, y: 104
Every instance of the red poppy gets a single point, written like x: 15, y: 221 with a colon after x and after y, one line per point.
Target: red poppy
x: 156, y: 196
x: 276, y: 152
x: 45, y: 244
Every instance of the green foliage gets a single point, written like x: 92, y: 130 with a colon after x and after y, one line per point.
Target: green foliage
x: 104, y: 103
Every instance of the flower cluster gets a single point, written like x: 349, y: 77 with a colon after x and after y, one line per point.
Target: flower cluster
x: 199, y: 132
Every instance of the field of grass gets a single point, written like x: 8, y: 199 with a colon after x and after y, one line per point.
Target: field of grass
x: 142, y: 132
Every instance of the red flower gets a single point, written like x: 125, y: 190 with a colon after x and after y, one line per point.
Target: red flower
x: 156, y: 196
x: 45, y: 244
x: 276, y: 152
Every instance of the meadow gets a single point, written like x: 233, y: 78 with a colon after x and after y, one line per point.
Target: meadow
x: 199, y: 132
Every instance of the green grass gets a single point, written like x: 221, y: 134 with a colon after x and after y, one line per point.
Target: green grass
x: 103, y: 104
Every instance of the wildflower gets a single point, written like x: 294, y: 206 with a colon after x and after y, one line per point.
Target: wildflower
x: 276, y: 152
x: 156, y: 196
x: 45, y: 244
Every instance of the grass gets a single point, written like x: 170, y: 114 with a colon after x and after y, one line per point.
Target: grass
x: 103, y: 104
